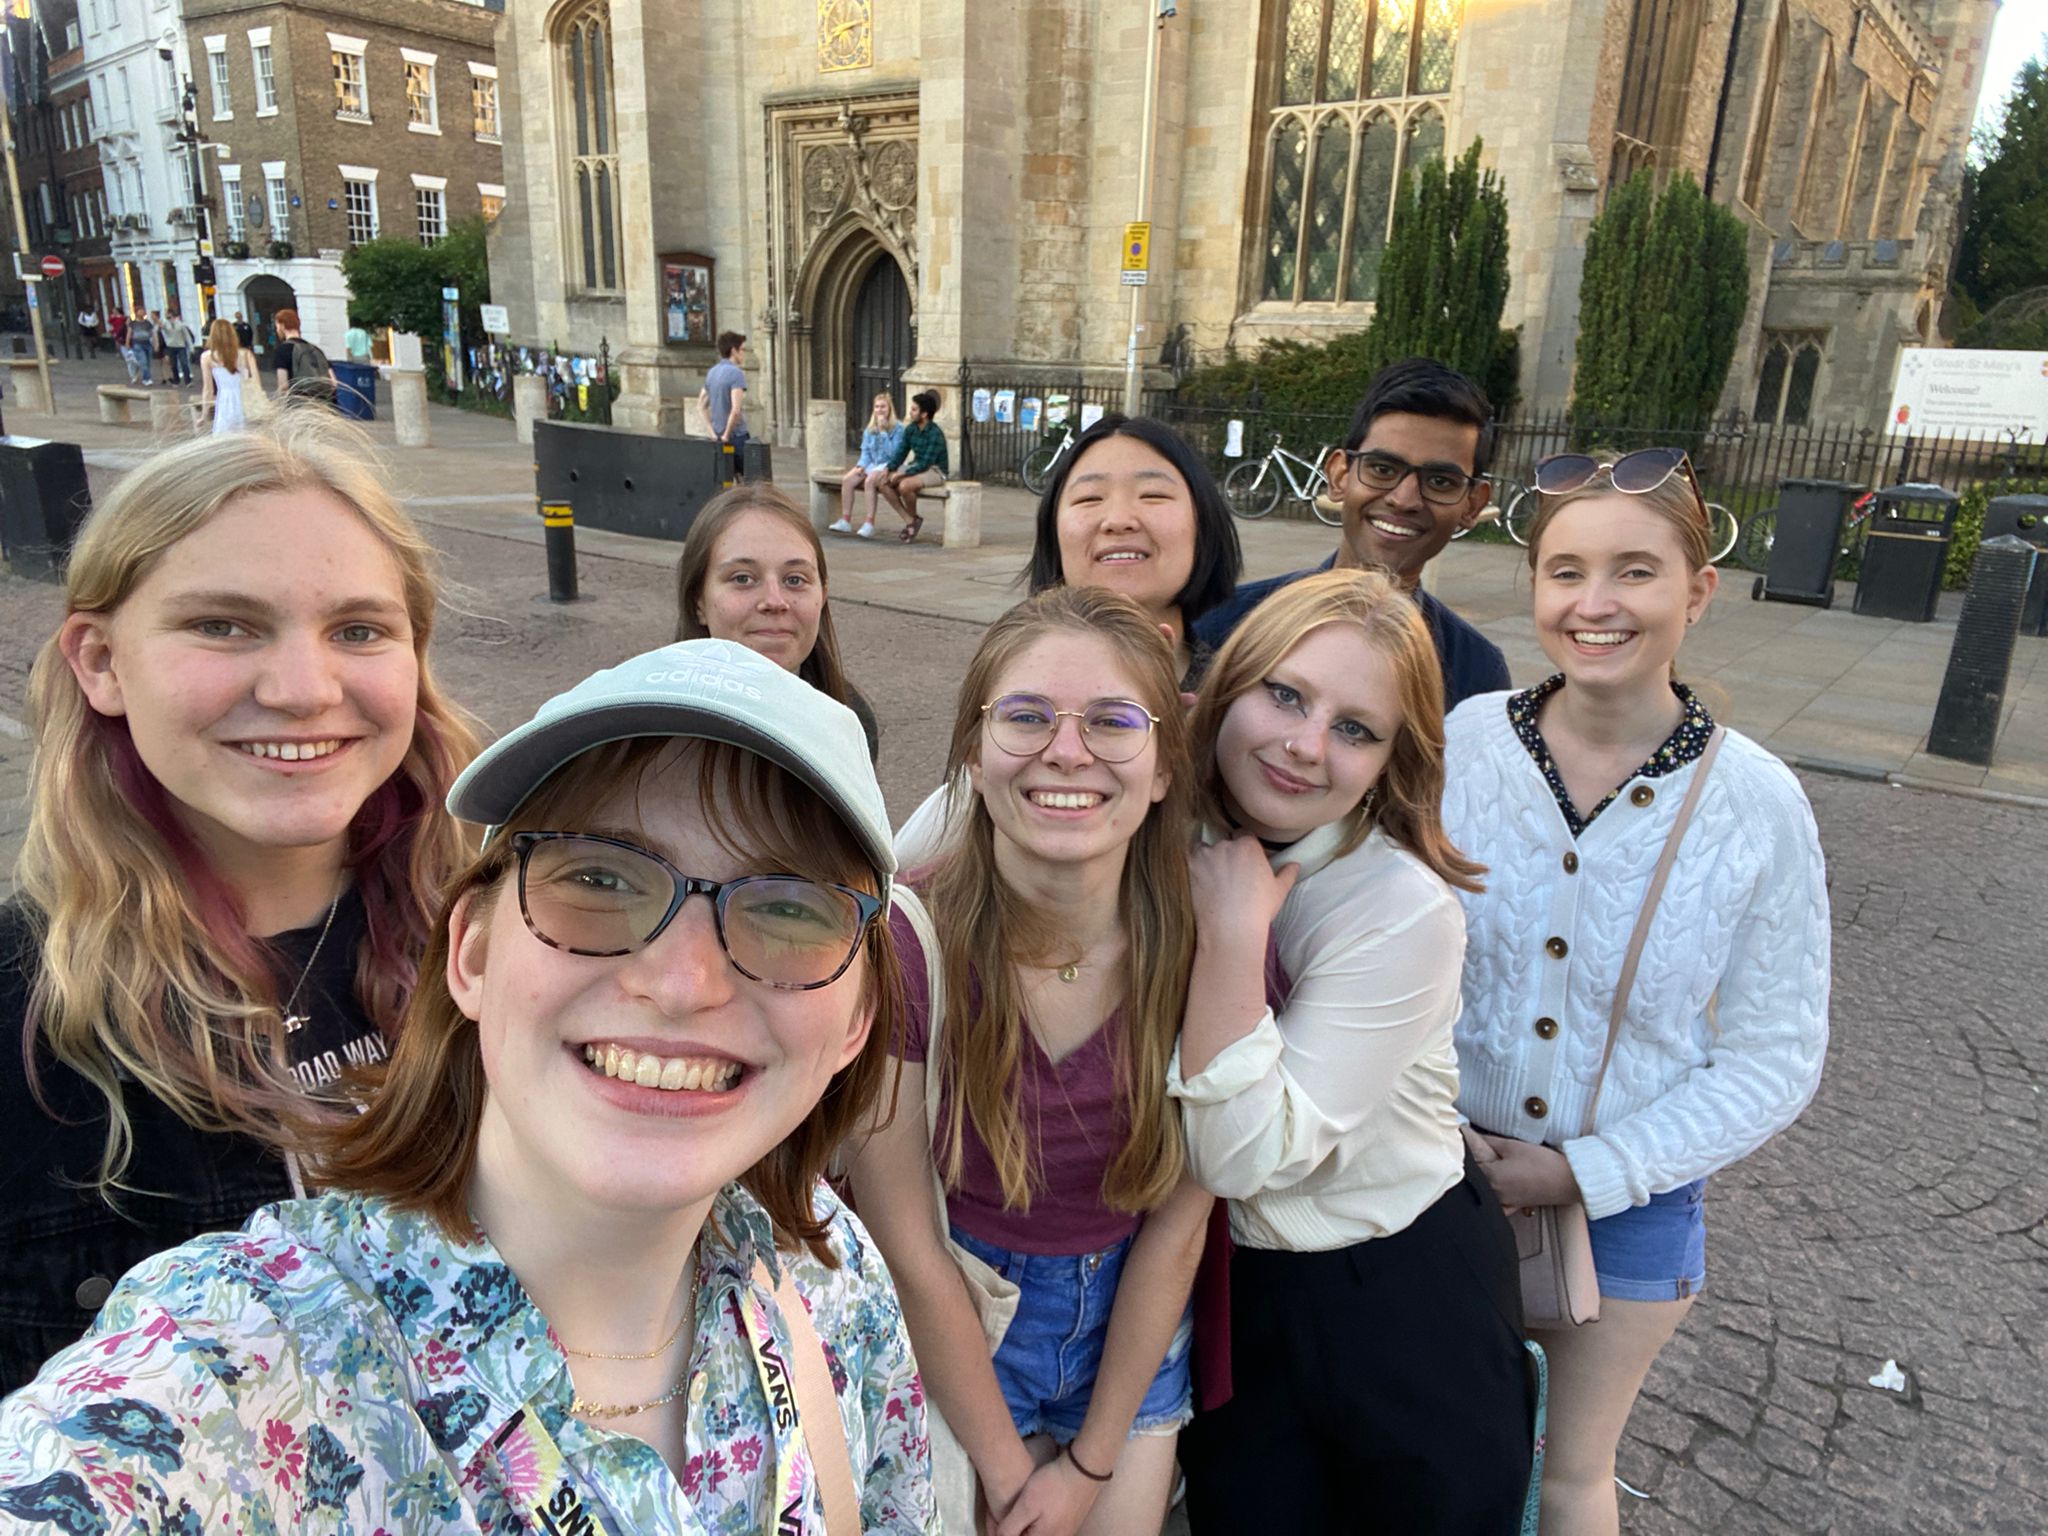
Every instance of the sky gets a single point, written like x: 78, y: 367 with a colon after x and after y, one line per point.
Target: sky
x: 2015, y: 38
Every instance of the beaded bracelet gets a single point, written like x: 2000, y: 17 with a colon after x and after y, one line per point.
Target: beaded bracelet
x: 1067, y: 1451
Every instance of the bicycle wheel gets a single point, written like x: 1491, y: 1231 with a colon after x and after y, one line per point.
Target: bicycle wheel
x: 1759, y: 532
x: 1250, y: 491
x: 1520, y: 514
x: 1036, y: 470
x: 1327, y: 510
x: 1722, y: 533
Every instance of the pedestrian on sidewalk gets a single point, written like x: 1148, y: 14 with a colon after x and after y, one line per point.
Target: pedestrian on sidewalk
x: 89, y: 330
x: 919, y: 460
x: 136, y: 358
x: 1366, y: 1354
x: 1619, y: 1046
x: 575, y: 1268
x: 177, y: 343
x: 1045, y: 994
x: 878, y: 444
x: 723, y: 399
x: 753, y: 570
x: 303, y: 371
x: 142, y: 349
x: 235, y: 842
x: 1411, y: 474
x: 1147, y: 520
x: 160, y: 357
x: 227, y: 379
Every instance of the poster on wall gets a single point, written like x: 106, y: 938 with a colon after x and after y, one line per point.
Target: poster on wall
x: 1028, y: 412
x: 1006, y: 406
x: 981, y: 405
x: 451, y: 338
x: 1956, y: 390
x: 686, y: 295
x: 1091, y: 413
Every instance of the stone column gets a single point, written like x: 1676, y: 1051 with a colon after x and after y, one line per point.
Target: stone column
x: 529, y: 403
x: 409, y: 406
x: 825, y: 433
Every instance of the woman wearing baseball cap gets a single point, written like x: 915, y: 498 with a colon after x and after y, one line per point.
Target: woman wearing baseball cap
x: 576, y: 1265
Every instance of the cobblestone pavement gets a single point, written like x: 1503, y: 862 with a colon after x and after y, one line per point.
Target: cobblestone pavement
x: 1902, y: 1218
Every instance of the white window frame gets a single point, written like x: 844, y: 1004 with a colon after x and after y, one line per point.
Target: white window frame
x: 435, y: 187
x: 264, y: 61
x: 217, y: 78
x: 234, y: 212
x: 413, y: 59
x: 340, y: 47
x: 486, y: 190
x: 367, y: 176
x: 478, y: 73
x: 277, y: 200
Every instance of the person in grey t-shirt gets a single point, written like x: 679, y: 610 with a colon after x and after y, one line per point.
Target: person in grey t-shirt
x: 723, y: 399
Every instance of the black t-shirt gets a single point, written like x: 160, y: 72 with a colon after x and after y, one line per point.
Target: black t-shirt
x: 326, y: 1029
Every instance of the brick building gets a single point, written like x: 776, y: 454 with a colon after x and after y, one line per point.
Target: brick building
x: 334, y: 124
x: 62, y: 196
x: 879, y: 193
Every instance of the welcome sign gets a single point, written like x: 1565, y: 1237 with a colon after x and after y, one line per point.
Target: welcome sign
x: 1945, y: 390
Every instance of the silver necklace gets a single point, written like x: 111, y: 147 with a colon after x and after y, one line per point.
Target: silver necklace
x: 296, y: 1021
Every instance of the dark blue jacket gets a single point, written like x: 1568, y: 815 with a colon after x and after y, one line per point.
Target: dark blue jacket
x: 1472, y: 663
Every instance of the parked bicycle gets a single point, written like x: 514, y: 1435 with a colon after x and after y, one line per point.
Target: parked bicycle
x: 1039, y: 463
x: 1723, y: 533
x: 1760, y: 531
x: 1253, y: 488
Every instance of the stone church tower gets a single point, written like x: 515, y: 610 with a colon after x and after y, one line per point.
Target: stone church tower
x: 876, y: 191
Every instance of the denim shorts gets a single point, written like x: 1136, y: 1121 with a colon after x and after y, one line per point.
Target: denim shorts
x: 1047, y: 1362
x: 1654, y: 1252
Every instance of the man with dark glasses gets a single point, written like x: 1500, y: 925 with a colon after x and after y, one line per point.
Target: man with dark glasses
x: 1411, y: 474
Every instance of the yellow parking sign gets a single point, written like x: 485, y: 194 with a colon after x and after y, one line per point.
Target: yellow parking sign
x: 1137, y: 247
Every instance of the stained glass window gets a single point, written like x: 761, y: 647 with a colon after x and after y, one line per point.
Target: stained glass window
x: 1330, y: 171
x: 1372, y: 192
x: 1393, y: 21
x: 1304, y: 43
x: 591, y: 165
x: 1439, y: 43
x: 1283, y: 223
x: 1347, y: 50
x: 1425, y: 141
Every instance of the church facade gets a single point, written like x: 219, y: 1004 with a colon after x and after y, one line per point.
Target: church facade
x: 876, y: 191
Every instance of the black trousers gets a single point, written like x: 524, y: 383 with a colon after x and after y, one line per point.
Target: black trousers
x: 1379, y: 1388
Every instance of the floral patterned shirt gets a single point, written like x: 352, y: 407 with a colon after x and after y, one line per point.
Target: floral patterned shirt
x: 1686, y: 742
x: 342, y: 1366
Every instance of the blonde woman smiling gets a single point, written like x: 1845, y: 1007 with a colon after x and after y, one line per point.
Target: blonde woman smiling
x: 235, y: 835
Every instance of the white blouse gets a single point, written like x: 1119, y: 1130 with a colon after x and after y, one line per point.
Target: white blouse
x: 1336, y: 1122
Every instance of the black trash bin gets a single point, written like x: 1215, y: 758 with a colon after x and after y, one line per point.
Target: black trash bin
x: 1805, y: 538
x: 1904, y: 551
x: 43, y: 499
x: 2025, y: 517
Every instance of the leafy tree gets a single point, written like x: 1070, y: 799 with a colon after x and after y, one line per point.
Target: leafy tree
x: 2004, y: 246
x: 1660, y: 304
x: 398, y: 282
x: 1444, y: 276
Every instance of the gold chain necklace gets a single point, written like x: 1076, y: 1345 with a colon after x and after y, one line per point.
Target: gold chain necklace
x: 582, y: 1407
x: 654, y: 1353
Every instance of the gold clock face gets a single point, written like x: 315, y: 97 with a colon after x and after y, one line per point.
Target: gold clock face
x: 846, y: 34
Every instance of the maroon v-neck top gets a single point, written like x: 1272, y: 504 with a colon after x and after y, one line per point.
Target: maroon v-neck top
x: 1074, y: 1124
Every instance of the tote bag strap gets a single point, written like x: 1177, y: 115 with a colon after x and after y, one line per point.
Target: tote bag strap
x: 906, y: 901
x: 1658, y: 877
x: 817, y: 1409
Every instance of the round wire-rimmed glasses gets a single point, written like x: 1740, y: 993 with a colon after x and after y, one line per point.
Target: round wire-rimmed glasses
x: 1024, y: 725
x: 604, y: 897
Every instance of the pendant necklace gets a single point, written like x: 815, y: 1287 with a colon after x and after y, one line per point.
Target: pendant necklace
x: 296, y: 1021
x: 1071, y: 972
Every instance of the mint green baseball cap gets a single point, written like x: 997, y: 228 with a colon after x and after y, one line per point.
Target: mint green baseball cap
x: 714, y: 690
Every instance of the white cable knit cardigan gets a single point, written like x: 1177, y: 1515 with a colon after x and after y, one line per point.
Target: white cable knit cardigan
x: 1744, y: 918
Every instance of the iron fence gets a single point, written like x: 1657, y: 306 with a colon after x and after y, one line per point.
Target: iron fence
x: 580, y: 387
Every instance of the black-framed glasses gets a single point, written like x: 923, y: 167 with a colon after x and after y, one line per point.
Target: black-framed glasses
x: 1633, y: 474
x: 1443, y: 485
x: 1024, y: 725
x: 599, y: 896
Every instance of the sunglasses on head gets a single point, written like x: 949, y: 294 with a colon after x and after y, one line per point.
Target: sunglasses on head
x: 1633, y: 474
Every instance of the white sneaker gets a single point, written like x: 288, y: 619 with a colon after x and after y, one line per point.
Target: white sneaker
x: 841, y: 526
x: 867, y: 531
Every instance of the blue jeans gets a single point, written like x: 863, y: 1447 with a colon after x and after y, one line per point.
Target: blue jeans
x: 1654, y: 1252
x: 181, y: 364
x: 1049, y: 1359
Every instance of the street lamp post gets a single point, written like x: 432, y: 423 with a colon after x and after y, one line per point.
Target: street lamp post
x: 192, y: 139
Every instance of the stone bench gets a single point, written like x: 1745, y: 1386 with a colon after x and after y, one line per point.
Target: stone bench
x: 26, y: 380
x: 961, y: 500
x: 169, y: 411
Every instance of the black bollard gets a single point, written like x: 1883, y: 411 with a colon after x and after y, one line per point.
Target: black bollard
x: 1972, y: 697
x: 728, y: 464
x: 560, y: 520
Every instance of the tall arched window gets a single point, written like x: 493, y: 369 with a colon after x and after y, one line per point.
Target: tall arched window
x: 590, y: 150
x: 1787, y: 373
x: 1354, y: 108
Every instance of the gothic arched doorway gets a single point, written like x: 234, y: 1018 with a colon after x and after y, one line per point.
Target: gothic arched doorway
x: 883, y: 348
x: 262, y: 297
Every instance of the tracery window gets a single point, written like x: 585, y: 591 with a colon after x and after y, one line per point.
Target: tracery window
x: 1656, y: 87
x: 590, y: 157
x: 1357, y: 103
x: 1787, y: 373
